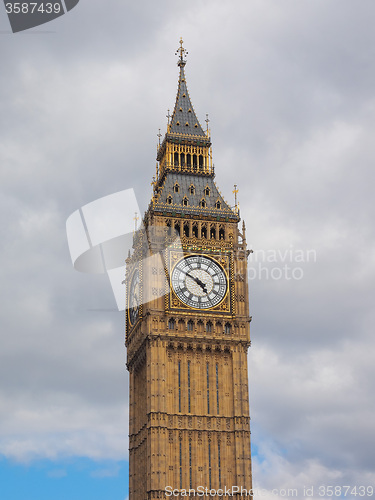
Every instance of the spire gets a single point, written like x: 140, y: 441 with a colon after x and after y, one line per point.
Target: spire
x: 186, y: 147
x: 184, y: 120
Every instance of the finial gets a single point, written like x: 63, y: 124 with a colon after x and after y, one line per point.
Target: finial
x: 136, y: 218
x: 168, y: 116
x: 159, y: 135
x: 181, y: 52
x: 207, y: 122
x: 153, y: 184
x: 235, y: 191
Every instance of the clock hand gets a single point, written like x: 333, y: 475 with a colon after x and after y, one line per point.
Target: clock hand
x: 198, y: 281
x: 202, y: 285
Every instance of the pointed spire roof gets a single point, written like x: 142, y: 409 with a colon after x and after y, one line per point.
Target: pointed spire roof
x: 184, y: 120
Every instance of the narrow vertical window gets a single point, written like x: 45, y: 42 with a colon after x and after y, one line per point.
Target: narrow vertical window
x: 180, y: 465
x: 217, y: 387
x: 189, y: 386
x: 208, y: 389
x: 219, y: 463
x: 209, y: 464
x: 179, y: 386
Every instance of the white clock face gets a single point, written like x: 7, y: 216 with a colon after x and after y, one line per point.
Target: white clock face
x: 199, y: 282
x: 133, y: 303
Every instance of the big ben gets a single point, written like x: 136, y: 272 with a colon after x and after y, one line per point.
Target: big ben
x: 188, y: 326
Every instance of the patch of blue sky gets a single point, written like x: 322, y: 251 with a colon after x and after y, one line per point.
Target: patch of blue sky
x: 69, y: 479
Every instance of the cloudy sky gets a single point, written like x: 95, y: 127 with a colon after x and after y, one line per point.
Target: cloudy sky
x: 289, y: 88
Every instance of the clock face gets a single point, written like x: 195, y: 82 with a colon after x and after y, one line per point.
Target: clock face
x: 199, y: 282
x: 133, y: 301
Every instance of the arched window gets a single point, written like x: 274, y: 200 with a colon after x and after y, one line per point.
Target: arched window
x: 218, y: 205
x: 203, y: 203
x: 227, y: 328
x: 169, y: 200
x: 207, y: 191
x: 176, y: 188
x: 200, y: 162
x: 208, y: 327
x: 204, y: 232
x: 190, y: 325
x: 171, y: 324
x: 221, y: 234
x: 195, y: 231
x: 185, y: 202
x: 186, y: 230
x: 176, y: 159
x: 213, y: 233
x: 192, y: 189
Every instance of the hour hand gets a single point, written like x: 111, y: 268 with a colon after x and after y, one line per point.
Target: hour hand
x: 198, y: 281
x: 201, y: 284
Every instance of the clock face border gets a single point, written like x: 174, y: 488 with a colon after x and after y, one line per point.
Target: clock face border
x: 225, y: 304
x: 135, y: 271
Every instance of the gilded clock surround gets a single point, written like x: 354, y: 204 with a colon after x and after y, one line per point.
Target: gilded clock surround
x: 174, y: 301
x: 188, y: 396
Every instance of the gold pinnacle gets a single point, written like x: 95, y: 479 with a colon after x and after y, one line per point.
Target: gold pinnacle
x: 136, y: 219
x: 235, y: 191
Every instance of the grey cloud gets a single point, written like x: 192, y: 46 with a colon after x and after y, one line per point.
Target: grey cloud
x: 289, y: 90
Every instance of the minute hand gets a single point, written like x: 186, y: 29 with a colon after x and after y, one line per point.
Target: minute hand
x: 198, y: 281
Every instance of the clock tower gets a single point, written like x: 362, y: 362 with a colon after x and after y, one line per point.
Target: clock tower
x: 188, y: 325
